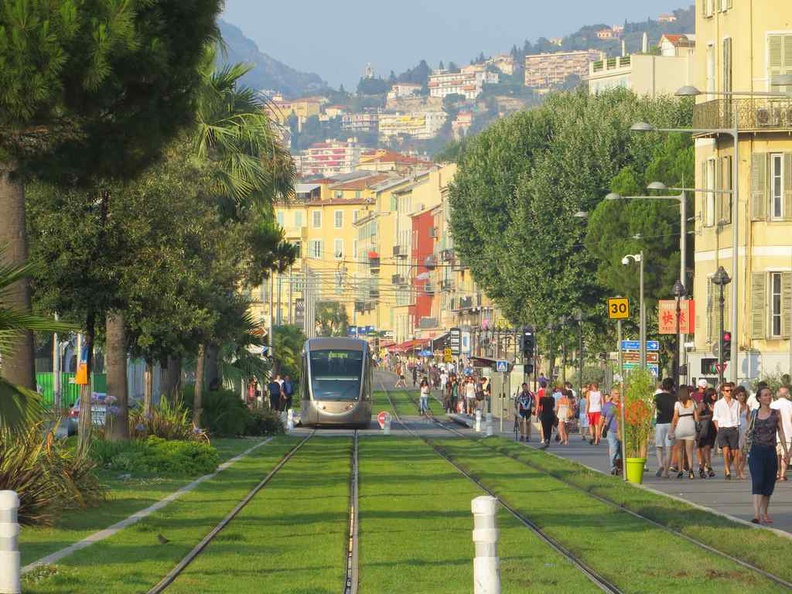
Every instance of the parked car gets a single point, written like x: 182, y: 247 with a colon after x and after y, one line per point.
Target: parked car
x: 98, y: 412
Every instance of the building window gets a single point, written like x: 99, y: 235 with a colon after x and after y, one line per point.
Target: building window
x: 316, y: 248
x: 297, y: 248
x: 710, y: 195
x: 355, y: 214
x: 727, y: 66
x: 338, y: 219
x: 316, y: 219
x: 776, y: 185
x: 298, y: 218
x: 280, y: 218
x: 710, y: 68
x: 779, y: 59
x: 338, y: 249
x: 775, y: 305
x: 355, y: 249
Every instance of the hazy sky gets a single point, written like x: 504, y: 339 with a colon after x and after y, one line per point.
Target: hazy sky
x: 337, y: 39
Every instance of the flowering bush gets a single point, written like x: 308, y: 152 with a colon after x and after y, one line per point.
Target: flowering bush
x: 638, y: 412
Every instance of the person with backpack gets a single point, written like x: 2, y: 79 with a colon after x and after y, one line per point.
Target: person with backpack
x: 524, y: 404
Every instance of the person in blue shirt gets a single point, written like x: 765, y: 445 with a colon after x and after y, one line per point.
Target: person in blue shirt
x: 610, y: 421
x: 288, y: 391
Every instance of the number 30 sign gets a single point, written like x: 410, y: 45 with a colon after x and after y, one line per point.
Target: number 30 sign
x: 618, y: 308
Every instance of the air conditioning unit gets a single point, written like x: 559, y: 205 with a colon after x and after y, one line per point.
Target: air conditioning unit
x: 399, y: 251
x: 374, y: 293
x: 429, y: 289
x: 397, y: 279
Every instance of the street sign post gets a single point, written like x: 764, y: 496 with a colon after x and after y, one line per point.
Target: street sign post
x: 502, y: 366
x: 635, y: 345
x: 447, y: 355
x: 455, y: 341
x: 382, y: 417
x: 618, y: 308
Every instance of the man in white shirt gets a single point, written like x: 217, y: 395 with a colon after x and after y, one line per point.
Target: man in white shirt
x: 784, y: 407
x: 726, y: 418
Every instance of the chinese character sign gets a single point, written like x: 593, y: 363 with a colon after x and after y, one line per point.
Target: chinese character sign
x: 667, y: 322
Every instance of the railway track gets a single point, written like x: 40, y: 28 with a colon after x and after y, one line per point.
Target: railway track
x: 702, y: 545
x: 602, y: 583
x: 201, y: 546
x: 351, y: 579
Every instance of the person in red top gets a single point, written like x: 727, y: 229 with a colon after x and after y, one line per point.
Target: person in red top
x: 540, y: 393
x: 701, y: 387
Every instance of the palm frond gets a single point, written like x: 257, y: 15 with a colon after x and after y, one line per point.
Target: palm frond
x: 19, y: 407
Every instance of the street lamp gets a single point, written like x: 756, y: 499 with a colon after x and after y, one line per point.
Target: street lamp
x: 721, y: 279
x: 679, y: 291
x: 579, y: 319
x: 639, y: 258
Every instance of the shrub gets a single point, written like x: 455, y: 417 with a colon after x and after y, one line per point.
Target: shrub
x: 47, y: 475
x: 156, y: 456
x: 167, y: 420
x: 638, y: 402
x: 263, y: 421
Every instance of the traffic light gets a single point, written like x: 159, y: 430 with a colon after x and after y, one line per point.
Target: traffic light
x: 528, y: 342
x: 725, y: 345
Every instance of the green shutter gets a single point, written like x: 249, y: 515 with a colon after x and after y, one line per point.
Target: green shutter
x: 725, y: 200
x: 787, y: 212
x: 727, y: 65
x: 758, y: 305
x: 712, y: 306
x: 759, y: 196
x: 786, y: 304
x: 704, y: 195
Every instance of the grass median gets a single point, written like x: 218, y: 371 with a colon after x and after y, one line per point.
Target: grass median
x: 743, y: 542
x: 125, y: 497
x: 627, y: 551
x: 291, y: 538
x: 404, y: 403
x: 135, y: 559
x: 416, y: 529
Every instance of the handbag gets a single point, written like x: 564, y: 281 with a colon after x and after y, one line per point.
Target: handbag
x: 749, y: 433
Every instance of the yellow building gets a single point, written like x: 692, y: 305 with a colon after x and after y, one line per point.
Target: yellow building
x: 742, y: 47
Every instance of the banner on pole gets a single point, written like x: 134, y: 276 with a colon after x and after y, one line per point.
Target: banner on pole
x: 667, y: 324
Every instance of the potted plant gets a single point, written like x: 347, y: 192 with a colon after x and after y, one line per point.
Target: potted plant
x: 638, y: 414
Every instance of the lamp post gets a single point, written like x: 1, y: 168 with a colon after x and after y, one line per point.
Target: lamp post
x: 579, y: 320
x: 679, y: 291
x: 639, y: 258
x: 721, y: 279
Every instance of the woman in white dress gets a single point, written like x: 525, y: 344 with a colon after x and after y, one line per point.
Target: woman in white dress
x: 683, y: 427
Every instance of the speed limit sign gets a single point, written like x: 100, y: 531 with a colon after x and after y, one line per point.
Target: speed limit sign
x: 618, y: 308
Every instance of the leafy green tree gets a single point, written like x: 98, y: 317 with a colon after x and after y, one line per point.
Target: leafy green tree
x: 332, y: 318
x: 288, y: 341
x: 99, y: 84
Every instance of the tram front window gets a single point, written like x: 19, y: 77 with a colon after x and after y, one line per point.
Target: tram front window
x: 336, y: 375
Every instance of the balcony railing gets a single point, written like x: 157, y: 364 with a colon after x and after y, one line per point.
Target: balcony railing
x: 427, y: 322
x: 753, y: 114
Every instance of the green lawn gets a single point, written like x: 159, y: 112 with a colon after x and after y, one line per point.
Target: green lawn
x: 746, y: 543
x: 625, y: 550
x: 125, y: 497
x: 291, y: 538
x: 404, y: 402
x: 416, y: 529
x: 133, y: 560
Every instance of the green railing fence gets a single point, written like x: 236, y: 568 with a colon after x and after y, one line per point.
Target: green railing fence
x: 69, y: 390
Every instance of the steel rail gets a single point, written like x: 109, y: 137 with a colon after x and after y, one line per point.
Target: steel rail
x: 351, y: 578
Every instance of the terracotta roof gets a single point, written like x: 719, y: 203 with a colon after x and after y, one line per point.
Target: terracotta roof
x: 386, y: 156
x: 676, y: 39
x: 359, y: 184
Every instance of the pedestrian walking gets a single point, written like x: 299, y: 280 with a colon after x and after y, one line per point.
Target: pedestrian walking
x: 583, y: 425
x: 564, y: 412
x: 683, y: 427
x: 454, y: 394
x: 726, y: 420
x: 784, y: 408
x: 275, y: 390
x: 594, y: 412
x: 610, y: 426
x: 763, y: 426
x: 423, y: 405
x: 706, y: 433
x: 288, y: 392
x: 470, y: 395
x: 664, y: 403
x: 525, y: 404
x: 400, y: 383
x: 547, y: 417
x: 741, y: 395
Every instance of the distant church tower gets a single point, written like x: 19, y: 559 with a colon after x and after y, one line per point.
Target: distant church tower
x: 369, y: 73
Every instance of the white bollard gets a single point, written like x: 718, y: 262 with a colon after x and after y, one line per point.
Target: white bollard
x: 478, y: 421
x: 486, y: 565
x: 488, y: 426
x: 386, y: 426
x: 290, y: 421
x: 9, y: 550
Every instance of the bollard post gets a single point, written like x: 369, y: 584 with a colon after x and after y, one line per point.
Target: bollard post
x: 386, y: 426
x: 9, y: 550
x: 478, y: 421
x: 486, y: 566
x: 290, y: 421
x: 488, y: 425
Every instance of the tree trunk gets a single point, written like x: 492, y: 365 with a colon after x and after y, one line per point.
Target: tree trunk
x: 116, y: 360
x: 18, y: 365
x: 199, y: 384
x: 170, y: 379
x: 148, y: 388
x: 85, y: 425
x: 212, y: 366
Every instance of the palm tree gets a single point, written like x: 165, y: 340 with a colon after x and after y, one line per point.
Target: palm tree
x: 19, y: 406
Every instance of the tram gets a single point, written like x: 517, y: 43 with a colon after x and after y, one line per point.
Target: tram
x: 336, y: 382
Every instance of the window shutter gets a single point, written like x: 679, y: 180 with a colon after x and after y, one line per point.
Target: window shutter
x: 726, y: 186
x: 787, y: 186
x: 786, y: 304
x: 758, y: 305
x: 717, y: 184
x: 704, y: 195
x: 727, y: 65
x: 711, y: 307
x: 759, y: 197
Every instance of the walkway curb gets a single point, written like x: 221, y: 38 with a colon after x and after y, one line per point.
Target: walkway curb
x: 676, y: 498
x: 137, y: 516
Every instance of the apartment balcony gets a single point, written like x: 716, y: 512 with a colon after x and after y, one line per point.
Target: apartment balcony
x: 465, y: 302
x: 754, y: 114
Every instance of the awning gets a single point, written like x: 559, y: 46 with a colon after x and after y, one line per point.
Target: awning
x: 440, y: 342
x: 483, y: 362
x: 408, y: 345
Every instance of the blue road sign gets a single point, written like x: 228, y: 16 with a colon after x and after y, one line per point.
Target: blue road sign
x: 502, y: 366
x: 635, y: 345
